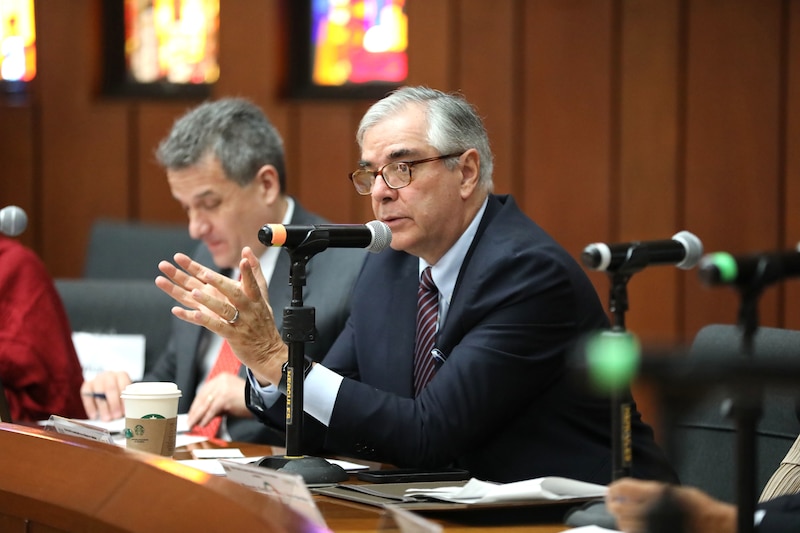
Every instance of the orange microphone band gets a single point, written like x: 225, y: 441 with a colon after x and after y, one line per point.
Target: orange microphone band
x: 278, y: 234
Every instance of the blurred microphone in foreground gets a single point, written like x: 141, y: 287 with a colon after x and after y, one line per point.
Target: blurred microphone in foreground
x: 722, y: 268
x: 13, y: 221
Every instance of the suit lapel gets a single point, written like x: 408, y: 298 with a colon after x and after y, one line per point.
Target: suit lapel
x: 469, y: 276
x: 401, y: 326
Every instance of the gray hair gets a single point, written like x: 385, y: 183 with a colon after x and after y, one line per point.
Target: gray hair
x: 234, y: 130
x: 453, y: 124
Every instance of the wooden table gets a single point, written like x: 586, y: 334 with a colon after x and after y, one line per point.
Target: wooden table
x: 68, y: 484
x: 344, y: 516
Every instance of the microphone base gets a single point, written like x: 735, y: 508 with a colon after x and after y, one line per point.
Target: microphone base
x: 313, y: 470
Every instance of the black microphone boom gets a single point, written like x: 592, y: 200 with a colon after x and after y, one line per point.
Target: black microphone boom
x: 722, y: 268
x: 683, y: 250
x: 375, y: 236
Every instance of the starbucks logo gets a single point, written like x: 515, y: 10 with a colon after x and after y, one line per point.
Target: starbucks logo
x: 139, y: 430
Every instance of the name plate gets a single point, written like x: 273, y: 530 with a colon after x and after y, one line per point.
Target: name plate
x: 67, y: 426
x: 289, y: 488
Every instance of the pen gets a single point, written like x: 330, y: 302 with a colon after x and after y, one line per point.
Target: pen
x: 95, y: 395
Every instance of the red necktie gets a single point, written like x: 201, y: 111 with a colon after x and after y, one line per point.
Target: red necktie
x: 427, y: 317
x: 226, y: 362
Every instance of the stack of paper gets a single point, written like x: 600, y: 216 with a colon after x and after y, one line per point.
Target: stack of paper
x: 544, y: 488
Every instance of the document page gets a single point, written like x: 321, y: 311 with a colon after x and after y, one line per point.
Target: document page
x: 545, y: 488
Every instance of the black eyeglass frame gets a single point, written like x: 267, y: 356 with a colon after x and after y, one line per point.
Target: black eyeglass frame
x: 379, y: 172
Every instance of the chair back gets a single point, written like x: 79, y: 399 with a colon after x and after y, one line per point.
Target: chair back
x: 704, y: 437
x: 119, y: 306
x: 131, y: 250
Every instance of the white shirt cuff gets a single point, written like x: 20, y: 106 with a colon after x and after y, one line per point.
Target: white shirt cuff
x: 319, y: 392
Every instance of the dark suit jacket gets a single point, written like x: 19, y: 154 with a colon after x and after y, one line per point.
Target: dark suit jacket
x: 503, y: 405
x: 783, y: 515
x: 330, y: 277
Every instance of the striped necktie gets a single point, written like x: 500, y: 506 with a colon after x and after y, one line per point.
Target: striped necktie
x: 427, y: 318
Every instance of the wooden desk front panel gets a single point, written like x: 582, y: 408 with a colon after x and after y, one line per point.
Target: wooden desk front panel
x: 59, y: 484
x: 69, y: 484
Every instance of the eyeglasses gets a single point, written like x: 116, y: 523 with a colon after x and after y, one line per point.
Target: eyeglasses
x: 396, y: 174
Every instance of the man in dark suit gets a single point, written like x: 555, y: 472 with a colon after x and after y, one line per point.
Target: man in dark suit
x: 225, y: 165
x: 511, y: 304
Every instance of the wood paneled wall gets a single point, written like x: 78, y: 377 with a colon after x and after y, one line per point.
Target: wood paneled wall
x: 611, y: 120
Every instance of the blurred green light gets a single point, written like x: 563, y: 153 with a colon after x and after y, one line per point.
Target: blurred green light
x: 613, y: 359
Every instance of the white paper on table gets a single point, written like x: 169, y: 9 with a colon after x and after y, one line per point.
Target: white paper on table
x: 214, y: 466
x: 347, y: 466
x: 543, y: 488
x: 590, y: 529
x: 217, y: 453
x: 209, y: 466
x: 100, y: 352
x: 185, y: 439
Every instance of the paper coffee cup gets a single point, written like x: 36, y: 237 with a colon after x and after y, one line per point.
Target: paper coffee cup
x: 151, y: 416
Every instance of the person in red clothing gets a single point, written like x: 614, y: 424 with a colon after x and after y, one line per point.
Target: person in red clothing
x: 39, y: 367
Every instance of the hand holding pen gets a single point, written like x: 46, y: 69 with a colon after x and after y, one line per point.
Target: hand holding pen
x: 101, y: 395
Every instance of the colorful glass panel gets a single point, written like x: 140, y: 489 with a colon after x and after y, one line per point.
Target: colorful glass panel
x: 359, y: 41
x: 17, y: 40
x: 172, y: 41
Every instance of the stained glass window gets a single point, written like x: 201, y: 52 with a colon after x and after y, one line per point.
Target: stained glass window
x: 347, y: 48
x: 359, y: 41
x: 17, y: 41
x: 173, y: 41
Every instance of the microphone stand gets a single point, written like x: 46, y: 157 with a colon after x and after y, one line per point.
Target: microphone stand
x: 622, y: 454
x: 637, y: 259
x: 612, y: 356
x: 746, y: 410
x: 621, y: 445
x: 298, y: 328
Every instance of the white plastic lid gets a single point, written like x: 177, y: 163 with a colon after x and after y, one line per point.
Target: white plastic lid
x: 151, y: 389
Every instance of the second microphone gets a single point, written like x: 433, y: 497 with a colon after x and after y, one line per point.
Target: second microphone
x: 375, y: 236
x: 683, y: 250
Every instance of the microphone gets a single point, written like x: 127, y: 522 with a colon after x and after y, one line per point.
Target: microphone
x: 13, y: 221
x: 722, y: 268
x: 375, y: 236
x: 683, y: 250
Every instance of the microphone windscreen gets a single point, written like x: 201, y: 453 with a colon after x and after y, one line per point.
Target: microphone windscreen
x: 13, y: 221
x: 693, y: 246
x: 381, y: 236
